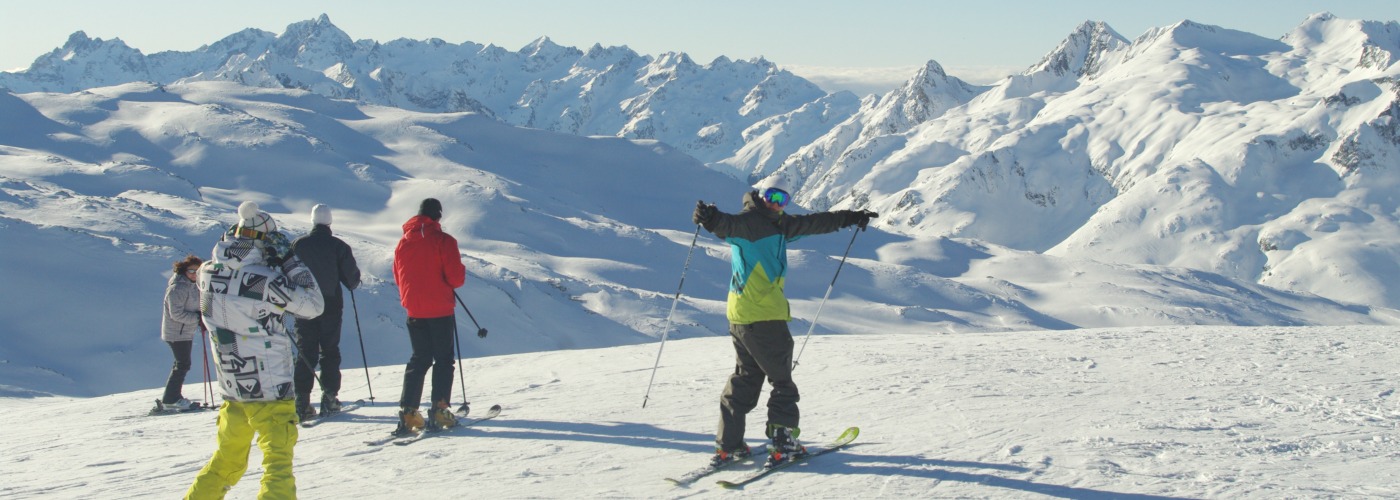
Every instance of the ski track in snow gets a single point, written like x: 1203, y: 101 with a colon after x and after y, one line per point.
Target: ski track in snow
x: 1195, y: 412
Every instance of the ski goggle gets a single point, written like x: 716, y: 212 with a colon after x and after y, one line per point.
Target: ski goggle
x: 253, y: 234
x: 777, y: 197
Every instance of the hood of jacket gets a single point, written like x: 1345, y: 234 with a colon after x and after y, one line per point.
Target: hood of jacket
x: 420, y: 226
x: 753, y: 202
x: 238, y: 253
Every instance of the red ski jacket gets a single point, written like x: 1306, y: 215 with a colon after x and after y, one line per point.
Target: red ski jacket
x: 427, y: 266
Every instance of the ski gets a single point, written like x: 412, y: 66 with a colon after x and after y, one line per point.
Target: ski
x: 155, y: 412
x: 698, y: 474
x: 405, y: 440
x: 462, y: 422
x: 344, y: 408
x: 840, y: 442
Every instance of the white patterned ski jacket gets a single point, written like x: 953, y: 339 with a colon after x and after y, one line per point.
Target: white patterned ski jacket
x: 242, y: 301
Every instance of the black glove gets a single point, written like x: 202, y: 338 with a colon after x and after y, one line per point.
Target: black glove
x: 481, y: 333
x: 703, y: 213
x: 273, y: 259
x: 859, y: 218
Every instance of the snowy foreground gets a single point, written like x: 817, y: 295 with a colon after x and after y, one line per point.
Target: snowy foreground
x: 1198, y: 412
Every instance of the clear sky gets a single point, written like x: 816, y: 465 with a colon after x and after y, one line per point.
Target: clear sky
x: 977, y: 40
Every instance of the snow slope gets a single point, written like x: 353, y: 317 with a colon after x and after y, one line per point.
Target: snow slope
x: 570, y: 242
x: 1158, y: 412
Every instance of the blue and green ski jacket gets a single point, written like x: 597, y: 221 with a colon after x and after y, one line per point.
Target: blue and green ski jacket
x: 758, y: 239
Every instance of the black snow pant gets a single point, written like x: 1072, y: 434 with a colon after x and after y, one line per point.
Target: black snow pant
x: 318, y: 340
x: 175, y: 383
x: 762, y: 350
x: 433, y: 340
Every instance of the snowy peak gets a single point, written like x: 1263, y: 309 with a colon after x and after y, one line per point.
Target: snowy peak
x: 1382, y: 46
x: 1080, y: 54
x: 251, y: 40
x: 1188, y: 34
x: 544, y: 53
x: 79, y: 47
x: 92, y: 61
x: 316, y: 44
x: 927, y: 95
x: 599, y: 57
x: 1357, y: 43
x: 80, y: 42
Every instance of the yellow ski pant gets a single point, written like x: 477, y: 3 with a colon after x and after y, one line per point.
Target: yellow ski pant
x: 275, y: 423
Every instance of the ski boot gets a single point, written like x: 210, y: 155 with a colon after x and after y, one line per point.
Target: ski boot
x: 724, y: 457
x: 410, y: 422
x: 441, y: 417
x: 304, y: 411
x: 784, y: 446
x: 329, y: 405
x: 181, y: 404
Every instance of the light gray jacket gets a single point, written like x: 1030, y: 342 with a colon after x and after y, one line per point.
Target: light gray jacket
x: 180, y: 319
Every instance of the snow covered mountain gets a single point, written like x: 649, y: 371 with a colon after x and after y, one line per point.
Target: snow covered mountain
x: 1268, y: 161
x: 570, y: 241
x: 1115, y: 183
x: 702, y: 110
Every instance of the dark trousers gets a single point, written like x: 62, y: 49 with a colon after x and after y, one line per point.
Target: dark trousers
x: 318, y: 340
x: 176, y: 381
x: 762, y: 350
x: 433, y: 340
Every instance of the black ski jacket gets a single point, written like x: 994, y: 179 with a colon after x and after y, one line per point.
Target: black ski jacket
x: 331, y: 262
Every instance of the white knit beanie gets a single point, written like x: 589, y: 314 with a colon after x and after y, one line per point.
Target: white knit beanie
x: 251, y: 217
x: 321, y: 214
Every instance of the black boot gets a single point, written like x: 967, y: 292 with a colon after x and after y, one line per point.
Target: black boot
x: 724, y: 457
x: 784, y: 446
x: 329, y: 404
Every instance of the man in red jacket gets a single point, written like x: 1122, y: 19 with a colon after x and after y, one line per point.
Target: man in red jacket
x: 427, y: 267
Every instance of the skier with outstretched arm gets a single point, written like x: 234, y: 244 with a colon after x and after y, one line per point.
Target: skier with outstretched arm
x: 758, y: 314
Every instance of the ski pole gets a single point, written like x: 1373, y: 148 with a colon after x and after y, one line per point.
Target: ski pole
x: 813, y: 326
x: 667, y: 329
x: 461, y: 379
x: 302, y: 357
x: 480, y: 332
x: 204, y: 353
x: 356, y: 308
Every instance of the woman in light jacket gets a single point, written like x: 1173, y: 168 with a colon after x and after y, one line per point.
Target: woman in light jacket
x: 179, y: 324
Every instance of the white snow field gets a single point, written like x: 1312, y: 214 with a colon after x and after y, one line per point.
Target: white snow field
x: 1159, y: 412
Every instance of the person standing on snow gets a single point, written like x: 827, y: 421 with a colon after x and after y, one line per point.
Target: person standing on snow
x: 428, y: 267
x: 318, y: 338
x: 758, y: 313
x: 179, y: 324
x: 244, y: 291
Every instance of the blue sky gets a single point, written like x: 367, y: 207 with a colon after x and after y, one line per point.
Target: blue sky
x: 976, y: 40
